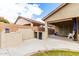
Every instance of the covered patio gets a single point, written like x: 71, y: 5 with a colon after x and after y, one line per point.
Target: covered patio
x: 63, y: 28
x: 65, y: 18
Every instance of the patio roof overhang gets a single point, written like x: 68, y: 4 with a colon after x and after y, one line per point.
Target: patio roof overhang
x: 64, y: 14
x: 61, y: 20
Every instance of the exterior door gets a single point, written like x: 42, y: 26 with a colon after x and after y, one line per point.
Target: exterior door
x: 35, y: 34
x: 40, y: 35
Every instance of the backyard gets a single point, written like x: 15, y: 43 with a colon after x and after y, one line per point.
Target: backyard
x: 56, y: 53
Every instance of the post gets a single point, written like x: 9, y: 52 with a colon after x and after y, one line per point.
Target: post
x: 77, y: 28
x: 32, y: 26
x: 46, y: 30
x: 37, y: 35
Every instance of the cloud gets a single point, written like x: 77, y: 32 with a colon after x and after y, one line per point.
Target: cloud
x: 12, y: 10
x: 30, y: 10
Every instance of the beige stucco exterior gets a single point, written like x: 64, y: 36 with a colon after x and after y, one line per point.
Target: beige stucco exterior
x: 27, y: 34
x: 68, y: 11
x: 14, y: 39
x: 22, y: 22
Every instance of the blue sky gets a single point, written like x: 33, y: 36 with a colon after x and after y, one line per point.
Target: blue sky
x: 36, y: 11
x: 47, y: 8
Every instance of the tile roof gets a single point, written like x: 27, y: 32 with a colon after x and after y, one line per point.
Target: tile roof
x: 30, y: 20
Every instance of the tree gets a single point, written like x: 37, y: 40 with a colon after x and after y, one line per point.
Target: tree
x: 3, y: 20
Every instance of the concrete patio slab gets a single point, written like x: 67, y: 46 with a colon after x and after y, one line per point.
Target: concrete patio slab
x: 33, y: 45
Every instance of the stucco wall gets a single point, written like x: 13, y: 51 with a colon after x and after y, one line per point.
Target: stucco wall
x: 12, y: 39
x: 43, y: 36
x: 27, y: 34
x: 64, y: 28
x: 22, y: 22
x: 71, y: 10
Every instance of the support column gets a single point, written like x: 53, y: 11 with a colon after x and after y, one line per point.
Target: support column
x: 38, y: 35
x: 32, y: 26
x: 77, y: 28
x: 46, y: 31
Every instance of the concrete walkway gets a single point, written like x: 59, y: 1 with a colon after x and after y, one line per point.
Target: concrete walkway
x: 33, y: 45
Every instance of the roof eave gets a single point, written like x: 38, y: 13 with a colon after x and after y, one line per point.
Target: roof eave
x: 30, y: 20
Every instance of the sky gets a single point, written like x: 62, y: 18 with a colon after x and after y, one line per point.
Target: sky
x: 11, y: 9
x: 47, y: 8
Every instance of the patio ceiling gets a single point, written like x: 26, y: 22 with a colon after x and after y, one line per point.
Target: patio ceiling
x: 61, y: 20
x: 66, y: 23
